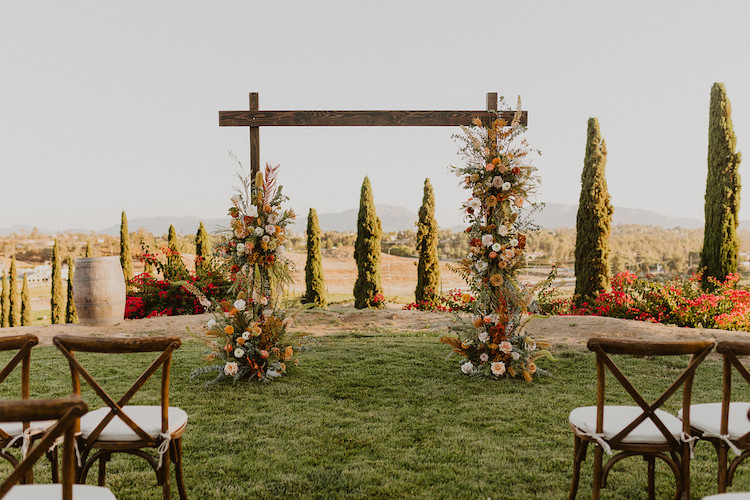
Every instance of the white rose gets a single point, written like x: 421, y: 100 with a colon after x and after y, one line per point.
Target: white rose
x: 252, y: 211
x: 258, y: 231
x: 240, y: 304
x: 467, y: 367
x: 273, y: 219
x: 231, y: 369
x: 211, y: 323
x: 513, y: 242
x: 487, y: 240
x: 515, y: 355
x: 475, y: 203
x: 506, y: 347
x: 266, y: 238
x: 483, y: 336
x: 240, y: 248
x: 506, y: 186
x: 264, y: 300
x: 483, y: 357
x: 270, y: 229
x: 238, y: 353
x: 246, y: 335
x: 502, y: 230
x: 481, y: 266
x: 497, y: 368
x: 497, y: 182
x: 497, y: 246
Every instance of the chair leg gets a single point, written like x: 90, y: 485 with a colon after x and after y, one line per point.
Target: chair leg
x: 52, y: 458
x: 103, y: 468
x: 177, y: 448
x: 579, y: 455
x: 685, y: 470
x: 164, y: 472
x: 651, y: 473
x: 721, y: 475
x: 596, y: 489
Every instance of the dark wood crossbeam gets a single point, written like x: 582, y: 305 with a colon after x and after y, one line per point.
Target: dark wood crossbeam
x: 254, y: 118
x: 357, y: 118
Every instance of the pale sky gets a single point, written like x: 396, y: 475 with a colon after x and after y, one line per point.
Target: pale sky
x: 111, y: 106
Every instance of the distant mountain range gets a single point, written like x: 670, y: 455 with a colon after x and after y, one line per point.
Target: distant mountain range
x: 394, y: 218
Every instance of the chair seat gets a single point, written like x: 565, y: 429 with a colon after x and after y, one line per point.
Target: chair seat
x: 616, y: 418
x: 54, y: 492
x: 706, y: 418
x: 14, y: 429
x: 737, y: 495
x: 147, y: 418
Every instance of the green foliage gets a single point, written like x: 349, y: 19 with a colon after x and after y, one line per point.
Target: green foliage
x: 71, y: 315
x: 25, y: 303
x: 126, y: 260
x: 428, y: 269
x: 89, y: 252
x: 56, y: 298
x: 14, y: 314
x: 175, y: 269
x: 367, y: 252
x: 593, y: 221
x: 202, y: 247
x: 5, y: 303
x: 722, y: 201
x: 315, y: 290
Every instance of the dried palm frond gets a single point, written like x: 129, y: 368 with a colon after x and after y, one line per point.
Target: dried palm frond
x: 269, y: 183
x: 517, y: 114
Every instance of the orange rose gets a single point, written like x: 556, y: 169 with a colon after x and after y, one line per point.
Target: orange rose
x: 229, y: 329
x: 496, y: 279
x: 490, y: 201
x: 240, y: 341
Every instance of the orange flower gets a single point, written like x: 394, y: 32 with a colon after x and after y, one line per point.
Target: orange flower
x: 477, y: 121
x: 229, y: 329
x: 466, y: 298
x: 496, y: 279
x: 288, y: 352
x: 477, y: 321
x: 496, y: 161
x: 490, y: 201
x: 240, y: 341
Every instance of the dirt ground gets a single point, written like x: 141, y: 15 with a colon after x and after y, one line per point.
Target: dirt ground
x: 562, y: 332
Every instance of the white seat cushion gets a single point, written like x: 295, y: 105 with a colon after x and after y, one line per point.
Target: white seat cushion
x: 737, y: 495
x: 54, y: 491
x: 616, y: 418
x: 16, y: 428
x: 707, y: 418
x: 147, y: 418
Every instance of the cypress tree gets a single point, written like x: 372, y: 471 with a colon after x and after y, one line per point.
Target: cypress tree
x: 125, y: 258
x: 315, y: 292
x: 593, y: 221
x: 14, y: 314
x: 722, y: 202
x: 71, y: 315
x: 5, y: 303
x: 89, y: 252
x: 367, y: 251
x: 175, y: 267
x: 25, y: 303
x: 56, y: 298
x: 202, y: 247
x: 428, y: 269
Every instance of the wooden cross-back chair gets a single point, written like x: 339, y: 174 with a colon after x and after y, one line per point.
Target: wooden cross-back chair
x: 65, y: 413
x: 122, y: 428
x: 20, y: 433
x: 726, y: 424
x: 641, y: 430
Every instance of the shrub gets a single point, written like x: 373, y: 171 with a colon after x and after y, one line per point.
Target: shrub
x: 680, y: 302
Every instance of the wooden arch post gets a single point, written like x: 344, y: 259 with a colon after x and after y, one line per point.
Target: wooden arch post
x: 254, y: 118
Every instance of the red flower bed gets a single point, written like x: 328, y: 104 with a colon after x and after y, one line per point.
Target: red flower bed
x: 149, y: 297
x: 679, y: 302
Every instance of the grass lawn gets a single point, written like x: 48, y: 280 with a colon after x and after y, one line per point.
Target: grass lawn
x: 384, y: 415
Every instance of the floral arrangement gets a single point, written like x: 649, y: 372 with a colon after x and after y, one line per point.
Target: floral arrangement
x: 501, y: 181
x: 249, y: 335
x: 455, y: 301
x: 680, y: 301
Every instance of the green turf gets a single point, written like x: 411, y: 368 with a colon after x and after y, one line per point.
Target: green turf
x: 383, y: 415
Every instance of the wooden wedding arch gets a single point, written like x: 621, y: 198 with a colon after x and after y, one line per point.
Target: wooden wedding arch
x: 254, y: 118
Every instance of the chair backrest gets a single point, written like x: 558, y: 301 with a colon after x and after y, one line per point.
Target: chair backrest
x: 604, y: 347
x: 69, y: 344
x: 730, y: 351
x: 22, y: 343
x: 66, y: 412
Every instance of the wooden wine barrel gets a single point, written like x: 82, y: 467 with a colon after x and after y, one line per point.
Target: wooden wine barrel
x: 99, y: 290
